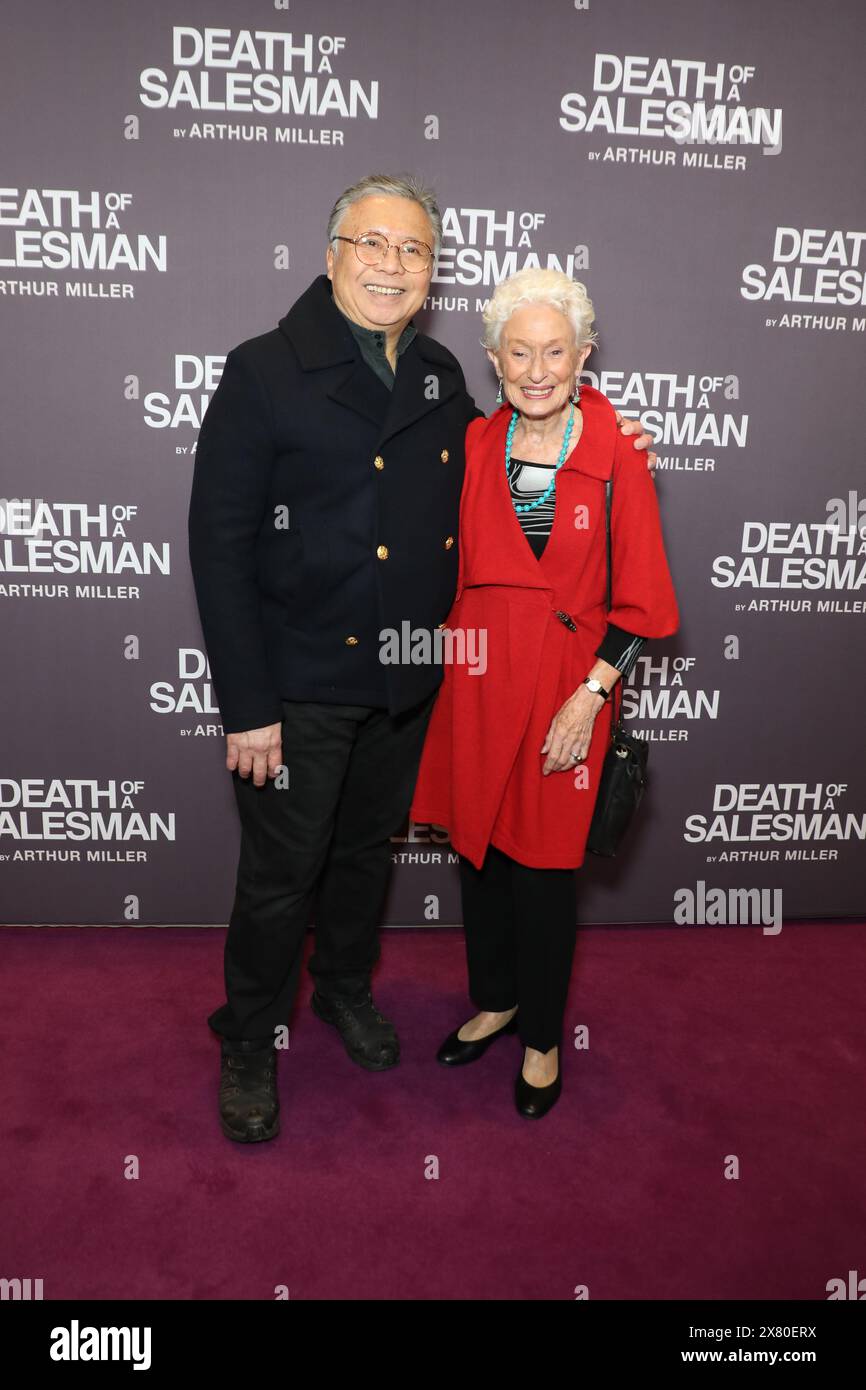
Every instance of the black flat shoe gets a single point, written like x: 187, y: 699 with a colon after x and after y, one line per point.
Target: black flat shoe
x: 535, y: 1101
x: 454, y: 1052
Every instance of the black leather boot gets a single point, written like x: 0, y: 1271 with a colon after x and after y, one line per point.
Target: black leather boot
x: 369, y: 1039
x: 249, y: 1104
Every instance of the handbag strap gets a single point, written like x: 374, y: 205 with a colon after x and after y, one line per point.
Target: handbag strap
x: 616, y: 720
x: 608, y: 497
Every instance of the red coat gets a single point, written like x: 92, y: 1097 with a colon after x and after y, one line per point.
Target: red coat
x: 480, y: 773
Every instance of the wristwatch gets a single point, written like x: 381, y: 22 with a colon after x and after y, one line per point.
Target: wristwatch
x: 596, y: 687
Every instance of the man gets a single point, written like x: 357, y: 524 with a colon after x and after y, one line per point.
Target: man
x: 324, y: 510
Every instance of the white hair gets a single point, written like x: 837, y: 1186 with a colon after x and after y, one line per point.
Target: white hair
x: 551, y: 287
x: 388, y: 186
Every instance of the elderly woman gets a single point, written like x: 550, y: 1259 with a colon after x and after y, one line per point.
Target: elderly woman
x: 513, y: 756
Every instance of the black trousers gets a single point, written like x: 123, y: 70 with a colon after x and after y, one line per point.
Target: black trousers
x: 520, y: 928
x: 324, y: 840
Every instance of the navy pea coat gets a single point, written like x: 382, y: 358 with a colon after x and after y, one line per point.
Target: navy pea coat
x: 323, y: 515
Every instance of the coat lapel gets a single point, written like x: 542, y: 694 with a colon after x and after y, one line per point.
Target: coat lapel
x: 425, y: 377
x: 496, y: 550
x: 425, y: 380
x: 317, y: 330
x: 593, y: 452
x: 321, y: 338
x: 362, y: 391
x: 564, y: 561
x: 503, y: 555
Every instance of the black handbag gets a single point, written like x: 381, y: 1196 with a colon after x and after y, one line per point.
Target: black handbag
x: 623, y: 772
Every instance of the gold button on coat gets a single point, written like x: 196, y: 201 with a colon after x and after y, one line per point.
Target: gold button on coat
x: 444, y: 456
x: 351, y: 641
x: 378, y: 462
x: 382, y: 552
x: 449, y: 542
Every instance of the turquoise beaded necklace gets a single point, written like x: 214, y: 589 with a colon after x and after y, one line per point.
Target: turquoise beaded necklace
x: 530, y: 506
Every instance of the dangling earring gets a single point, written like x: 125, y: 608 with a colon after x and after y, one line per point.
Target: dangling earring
x: 500, y: 396
x: 575, y: 395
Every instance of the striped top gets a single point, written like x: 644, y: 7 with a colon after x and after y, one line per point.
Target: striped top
x: 527, y: 481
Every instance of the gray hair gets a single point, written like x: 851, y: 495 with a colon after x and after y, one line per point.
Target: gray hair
x: 538, y: 286
x: 388, y: 186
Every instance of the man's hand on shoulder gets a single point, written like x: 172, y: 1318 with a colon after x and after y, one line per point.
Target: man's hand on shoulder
x: 257, y: 750
x: 643, y: 441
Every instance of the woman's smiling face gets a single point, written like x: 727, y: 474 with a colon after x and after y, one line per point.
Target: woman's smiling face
x: 538, y: 360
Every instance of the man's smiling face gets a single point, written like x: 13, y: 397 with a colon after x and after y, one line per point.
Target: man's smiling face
x: 383, y: 296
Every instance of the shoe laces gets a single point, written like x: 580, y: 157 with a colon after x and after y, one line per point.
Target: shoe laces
x: 238, y: 1062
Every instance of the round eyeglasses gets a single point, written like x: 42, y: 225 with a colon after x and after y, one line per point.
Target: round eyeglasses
x: 371, y: 248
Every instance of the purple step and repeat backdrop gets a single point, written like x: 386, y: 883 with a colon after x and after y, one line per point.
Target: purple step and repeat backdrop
x: 167, y: 170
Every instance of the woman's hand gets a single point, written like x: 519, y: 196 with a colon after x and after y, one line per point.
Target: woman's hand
x: 571, y: 731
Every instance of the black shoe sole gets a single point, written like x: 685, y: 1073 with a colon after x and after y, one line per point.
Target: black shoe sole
x: 353, y: 1053
x: 535, y: 1114
x: 256, y: 1137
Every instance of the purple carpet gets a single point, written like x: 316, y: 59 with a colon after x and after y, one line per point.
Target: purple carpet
x: 705, y: 1042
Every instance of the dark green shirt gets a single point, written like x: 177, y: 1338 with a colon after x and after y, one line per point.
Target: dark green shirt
x: 371, y: 341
